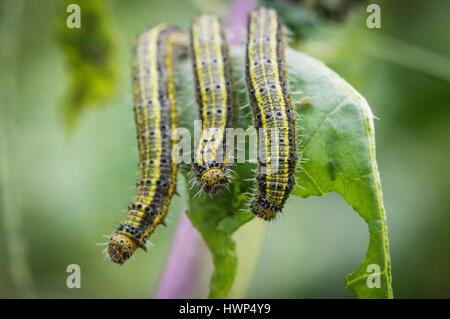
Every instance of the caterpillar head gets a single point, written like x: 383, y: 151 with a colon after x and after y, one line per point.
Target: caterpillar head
x: 262, y: 210
x: 213, y: 180
x: 121, y: 248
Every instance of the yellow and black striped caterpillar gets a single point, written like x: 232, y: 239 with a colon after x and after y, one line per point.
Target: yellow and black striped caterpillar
x: 273, y: 112
x: 155, y: 116
x: 215, y: 95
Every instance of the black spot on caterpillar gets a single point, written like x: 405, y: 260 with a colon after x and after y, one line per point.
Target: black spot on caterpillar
x: 155, y: 116
x: 215, y: 95
x: 273, y: 112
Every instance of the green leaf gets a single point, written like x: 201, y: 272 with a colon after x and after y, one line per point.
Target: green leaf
x: 217, y: 219
x: 338, y: 148
x: 338, y: 152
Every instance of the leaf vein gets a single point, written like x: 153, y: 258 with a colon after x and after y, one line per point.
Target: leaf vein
x: 327, y: 116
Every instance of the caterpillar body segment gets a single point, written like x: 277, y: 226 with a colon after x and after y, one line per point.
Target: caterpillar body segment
x: 273, y: 112
x: 215, y: 96
x: 155, y: 53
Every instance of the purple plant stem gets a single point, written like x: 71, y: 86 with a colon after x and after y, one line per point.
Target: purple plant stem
x: 188, y: 248
x: 184, y: 260
x: 237, y: 20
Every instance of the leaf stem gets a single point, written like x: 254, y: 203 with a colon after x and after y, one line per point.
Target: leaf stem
x: 183, y: 262
x: 237, y: 20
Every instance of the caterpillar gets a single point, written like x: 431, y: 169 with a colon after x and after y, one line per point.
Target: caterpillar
x: 155, y: 117
x: 215, y: 96
x: 273, y: 113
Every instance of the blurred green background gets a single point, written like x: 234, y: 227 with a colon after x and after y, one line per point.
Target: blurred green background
x: 62, y: 190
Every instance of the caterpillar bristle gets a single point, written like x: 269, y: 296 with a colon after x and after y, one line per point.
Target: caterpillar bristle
x: 102, y: 244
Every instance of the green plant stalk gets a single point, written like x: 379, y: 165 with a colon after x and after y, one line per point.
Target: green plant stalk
x: 19, y: 268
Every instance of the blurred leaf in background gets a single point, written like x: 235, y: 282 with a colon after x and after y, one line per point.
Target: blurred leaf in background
x: 90, y: 57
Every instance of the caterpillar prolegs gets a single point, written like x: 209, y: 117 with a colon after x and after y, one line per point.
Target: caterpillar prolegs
x: 155, y: 116
x: 215, y: 95
x: 273, y: 113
